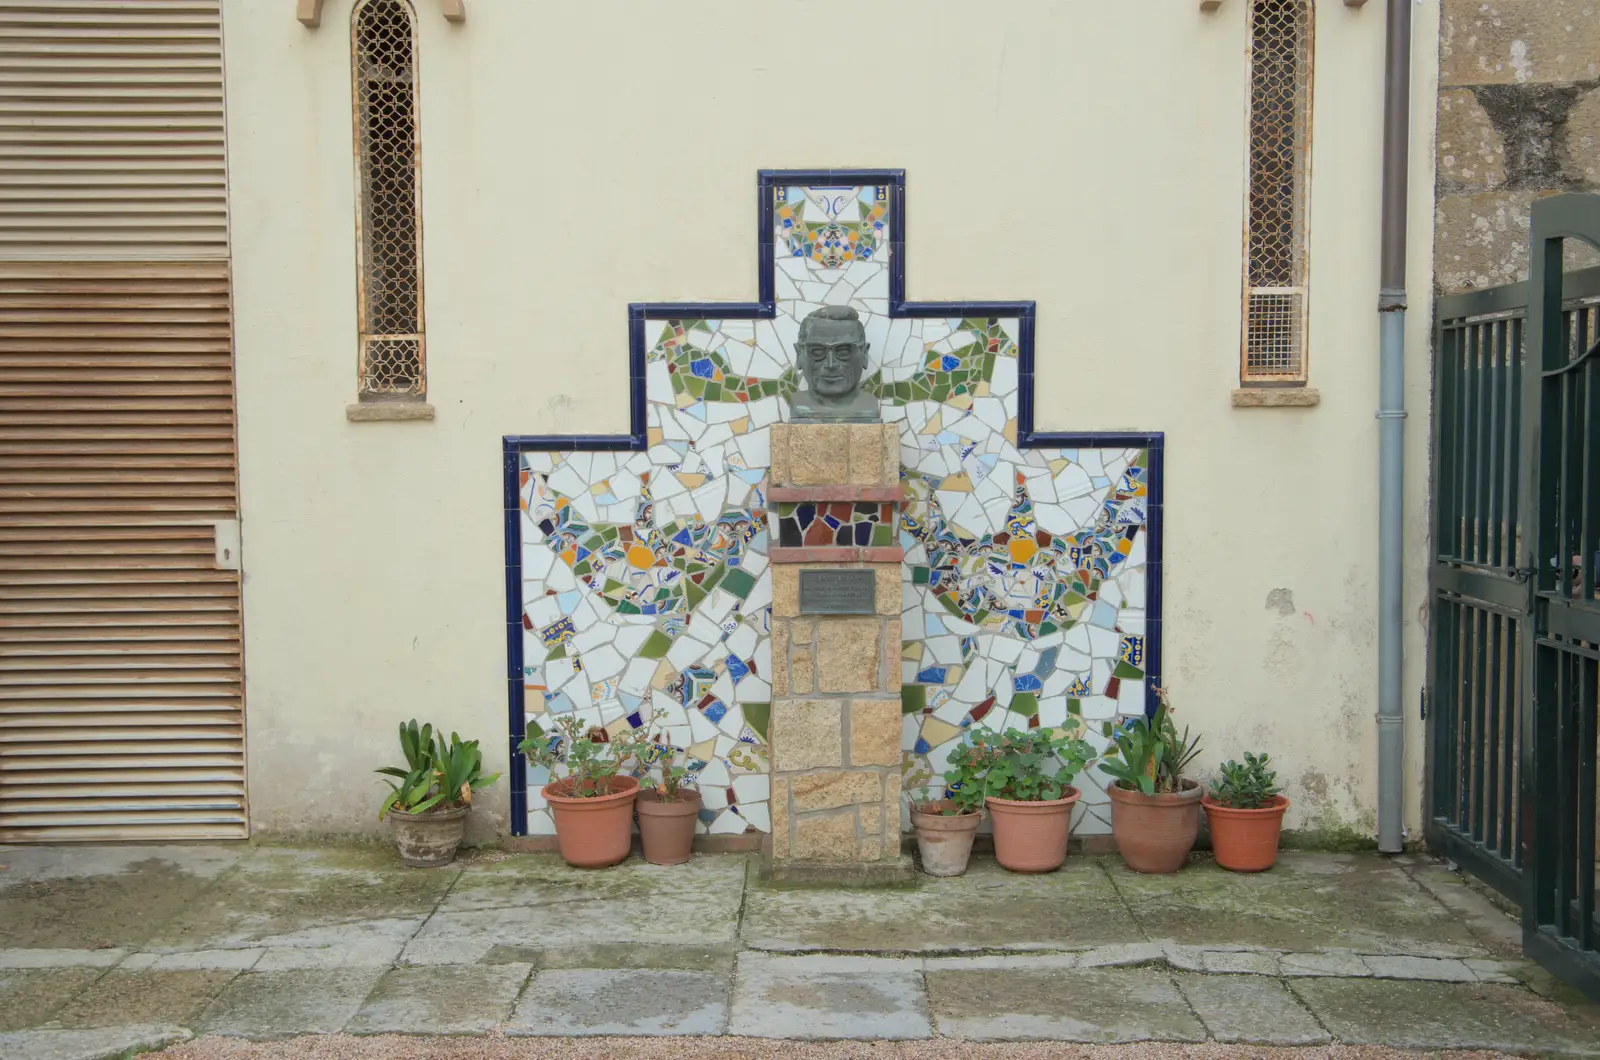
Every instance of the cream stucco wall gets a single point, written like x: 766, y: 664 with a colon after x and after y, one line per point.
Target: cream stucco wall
x: 1085, y: 153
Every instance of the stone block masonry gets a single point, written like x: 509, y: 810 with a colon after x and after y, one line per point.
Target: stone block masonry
x: 835, y: 677
x: 1519, y: 119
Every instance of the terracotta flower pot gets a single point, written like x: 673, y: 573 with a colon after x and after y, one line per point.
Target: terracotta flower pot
x: 944, y: 842
x: 596, y: 831
x: 1245, y: 840
x: 1155, y: 833
x: 667, y: 828
x: 1032, y: 836
x: 429, y: 839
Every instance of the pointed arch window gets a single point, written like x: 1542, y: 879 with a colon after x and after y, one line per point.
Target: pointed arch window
x: 1276, y: 266
x: 389, y: 218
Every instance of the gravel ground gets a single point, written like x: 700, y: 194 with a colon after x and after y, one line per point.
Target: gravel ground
x: 393, y: 1047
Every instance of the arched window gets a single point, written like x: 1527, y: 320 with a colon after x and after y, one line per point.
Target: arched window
x: 1276, y: 290
x: 389, y: 219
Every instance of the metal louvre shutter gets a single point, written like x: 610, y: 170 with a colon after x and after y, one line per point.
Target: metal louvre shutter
x: 120, y: 649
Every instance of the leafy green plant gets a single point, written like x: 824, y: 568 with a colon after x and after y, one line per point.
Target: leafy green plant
x: 1247, y: 786
x: 1147, y: 753
x: 437, y: 775
x: 588, y: 756
x: 1022, y: 765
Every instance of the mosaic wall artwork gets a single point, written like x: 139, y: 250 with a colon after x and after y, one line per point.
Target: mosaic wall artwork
x: 643, y: 574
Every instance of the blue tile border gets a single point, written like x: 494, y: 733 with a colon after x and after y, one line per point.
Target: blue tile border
x: 765, y: 308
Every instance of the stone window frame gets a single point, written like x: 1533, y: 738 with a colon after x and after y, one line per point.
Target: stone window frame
x: 1275, y: 302
x: 391, y: 373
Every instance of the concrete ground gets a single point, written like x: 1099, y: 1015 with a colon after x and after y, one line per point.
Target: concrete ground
x: 106, y: 950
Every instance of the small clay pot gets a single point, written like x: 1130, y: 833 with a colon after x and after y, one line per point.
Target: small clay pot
x: 1032, y: 836
x: 667, y: 828
x: 428, y: 839
x: 1245, y: 840
x: 944, y: 841
x: 1155, y: 833
x: 596, y: 831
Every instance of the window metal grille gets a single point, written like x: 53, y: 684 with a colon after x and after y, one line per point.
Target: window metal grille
x: 389, y: 234
x: 1275, y: 233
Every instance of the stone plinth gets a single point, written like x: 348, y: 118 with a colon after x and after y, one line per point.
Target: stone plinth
x: 836, y: 677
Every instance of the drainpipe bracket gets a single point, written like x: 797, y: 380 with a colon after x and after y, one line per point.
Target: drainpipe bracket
x: 1390, y: 414
x: 1391, y: 300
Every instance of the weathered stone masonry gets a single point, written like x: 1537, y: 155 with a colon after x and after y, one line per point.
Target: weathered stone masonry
x: 1519, y: 119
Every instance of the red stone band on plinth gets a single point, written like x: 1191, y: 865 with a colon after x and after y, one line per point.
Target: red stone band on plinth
x: 835, y: 554
x: 896, y: 493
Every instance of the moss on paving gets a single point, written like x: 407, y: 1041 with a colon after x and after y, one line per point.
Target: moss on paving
x: 282, y: 891
x: 96, y: 911
x: 1339, y: 838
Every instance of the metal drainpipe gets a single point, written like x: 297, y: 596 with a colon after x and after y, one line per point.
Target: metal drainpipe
x: 1391, y: 424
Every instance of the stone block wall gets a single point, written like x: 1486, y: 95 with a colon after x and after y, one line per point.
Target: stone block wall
x: 836, y: 708
x: 1519, y: 119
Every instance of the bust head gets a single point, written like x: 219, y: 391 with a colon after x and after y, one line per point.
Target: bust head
x: 832, y: 352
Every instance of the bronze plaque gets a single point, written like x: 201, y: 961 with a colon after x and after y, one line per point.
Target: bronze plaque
x: 838, y: 592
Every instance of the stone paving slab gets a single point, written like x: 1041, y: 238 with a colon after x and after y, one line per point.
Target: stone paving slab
x: 30, y: 996
x: 277, y: 1004
x: 1448, y: 1016
x: 99, y: 897
x: 650, y: 1002
x: 1081, y: 1005
x: 1309, y: 901
x: 48, y: 958
x: 122, y: 997
x: 314, y: 896
x: 280, y: 941
x: 195, y: 960
x: 94, y: 1044
x: 986, y: 909
x: 1250, y: 1009
x: 530, y: 881
x: 441, y: 1000
x: 801, y: 998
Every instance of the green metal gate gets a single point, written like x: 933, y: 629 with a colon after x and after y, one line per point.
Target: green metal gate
x: 1515, y: 611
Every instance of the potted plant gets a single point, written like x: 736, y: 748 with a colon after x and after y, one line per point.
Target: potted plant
x: 1246, y: 814
x: 592, y: 805
x: 427, y: 808
x: 1026, y: 778
x: 1155, y: 810
x: 669, y: 807
x: 946, y: 827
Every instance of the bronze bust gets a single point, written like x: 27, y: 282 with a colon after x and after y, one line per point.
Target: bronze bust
x: 832, y: 355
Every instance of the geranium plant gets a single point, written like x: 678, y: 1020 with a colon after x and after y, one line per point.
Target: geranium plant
x: 588, y: 755
x: 664, y: 765
x: 1022, y: 765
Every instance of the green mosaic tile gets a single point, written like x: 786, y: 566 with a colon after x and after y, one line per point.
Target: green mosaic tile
x: 920, y: 575
x: 757, y: 715
x: 1128, y: 671
x: 913, y: 698
x: 1025, y: 703
x: 739, y: 583
x: 655, y: 646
